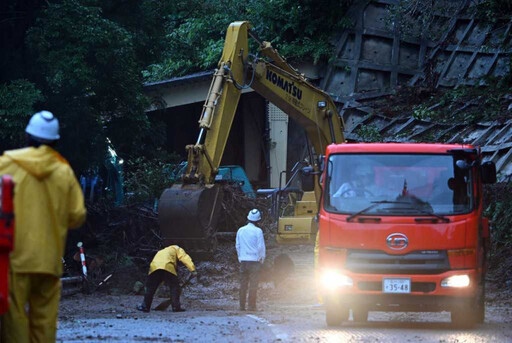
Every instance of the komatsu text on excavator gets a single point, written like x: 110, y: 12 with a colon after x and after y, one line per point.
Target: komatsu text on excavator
x: 189, y: 210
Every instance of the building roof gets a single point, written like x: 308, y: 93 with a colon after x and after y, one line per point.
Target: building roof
x: 180, y: 81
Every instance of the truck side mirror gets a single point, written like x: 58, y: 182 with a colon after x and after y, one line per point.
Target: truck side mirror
x: 463, y: 165
x: 488, y: 172
x: 321, y: 163
x: 307, y: 179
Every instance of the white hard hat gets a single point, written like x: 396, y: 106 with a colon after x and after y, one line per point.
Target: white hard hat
x: 43, y: 126
x: 254, y: 215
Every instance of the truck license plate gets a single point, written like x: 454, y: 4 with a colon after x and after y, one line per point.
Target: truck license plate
x: 396, y: 285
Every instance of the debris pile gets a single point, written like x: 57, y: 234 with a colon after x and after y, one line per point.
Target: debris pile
x: 117, y: 240
x: 235, y: 207
x: 122, y: 240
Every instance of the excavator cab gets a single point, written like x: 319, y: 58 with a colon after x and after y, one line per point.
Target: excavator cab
x: 299, y: 226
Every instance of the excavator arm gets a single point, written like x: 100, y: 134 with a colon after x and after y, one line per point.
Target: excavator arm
x: 187, y: 211
x: 219, y: 109
x: 276, y: 81
x: 289, y: 90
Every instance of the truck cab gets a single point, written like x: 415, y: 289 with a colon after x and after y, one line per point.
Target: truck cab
x: 401, y: 229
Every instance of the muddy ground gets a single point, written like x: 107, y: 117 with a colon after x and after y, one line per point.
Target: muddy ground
x: 289, y: 312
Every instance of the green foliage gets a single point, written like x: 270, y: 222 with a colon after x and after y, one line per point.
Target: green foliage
x: 299, y: 29
x: 465, y: 104
x: 422, y: 112
x: 419, y: 19
x: 86, y: 60
x: 90, y: 75
x: 491, y: 11
x: 369, y: 133
x: 17, y: 100
x: 194, y: 45
x: 498, y: 201
x: 145, y: 179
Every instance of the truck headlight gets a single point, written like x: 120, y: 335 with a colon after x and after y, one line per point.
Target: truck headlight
x: 456, y: 281
x: 332, y: 279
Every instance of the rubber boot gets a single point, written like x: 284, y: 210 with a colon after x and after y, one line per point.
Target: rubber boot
x: 143, y: 308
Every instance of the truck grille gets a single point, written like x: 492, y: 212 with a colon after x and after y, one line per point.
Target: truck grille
x: 379, y: 262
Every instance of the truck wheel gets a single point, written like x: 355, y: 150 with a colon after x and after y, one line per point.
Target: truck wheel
x: 335, y: 315
x: 360, y: 314
x: 480, y: 305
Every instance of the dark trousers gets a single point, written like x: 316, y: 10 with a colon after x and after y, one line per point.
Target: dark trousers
x: 249, y: 278
x: 154, y: 280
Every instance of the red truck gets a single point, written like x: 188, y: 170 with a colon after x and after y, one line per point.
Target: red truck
x: 401, y: 228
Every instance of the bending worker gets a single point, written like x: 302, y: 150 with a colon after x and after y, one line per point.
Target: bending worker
x: 250, y: 248
x: 164, y: 268
x: 48, y: 200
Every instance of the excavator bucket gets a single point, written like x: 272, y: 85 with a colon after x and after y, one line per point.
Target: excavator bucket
x: 188, y: 216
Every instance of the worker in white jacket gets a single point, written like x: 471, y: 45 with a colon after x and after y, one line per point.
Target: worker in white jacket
x: 250, y: 248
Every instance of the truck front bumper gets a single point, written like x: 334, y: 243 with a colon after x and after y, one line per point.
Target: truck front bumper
x: 426, y: 295
x: 401, y: 302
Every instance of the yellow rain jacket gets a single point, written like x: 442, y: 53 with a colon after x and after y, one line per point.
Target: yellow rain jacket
x: 48, y: 200
x: 168, y: 258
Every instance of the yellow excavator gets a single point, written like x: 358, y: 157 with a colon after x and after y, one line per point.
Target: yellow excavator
x: 189, y: 211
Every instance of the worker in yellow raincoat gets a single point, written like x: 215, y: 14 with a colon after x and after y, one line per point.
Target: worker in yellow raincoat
x: 164, y: 268
x: 48, y: 200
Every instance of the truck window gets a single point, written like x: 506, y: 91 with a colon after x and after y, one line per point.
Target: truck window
x: 410, y: 184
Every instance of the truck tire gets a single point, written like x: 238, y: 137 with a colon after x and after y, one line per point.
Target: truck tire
x: 463, y: 318
x: 360, y: 314
x: 480, y: 305
x: 467, y: 317
x: 335, y: 315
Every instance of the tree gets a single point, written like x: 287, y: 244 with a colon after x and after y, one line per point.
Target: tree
x: 91, y: 78
x: 86, y: 61
x: 17, y: 100
x: 298, y: 28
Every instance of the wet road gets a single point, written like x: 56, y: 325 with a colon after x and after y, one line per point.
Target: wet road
x: 290, y: 313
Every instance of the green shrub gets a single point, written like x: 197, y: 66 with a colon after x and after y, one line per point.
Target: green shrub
x: 369, y: 133
x: 145, y: 179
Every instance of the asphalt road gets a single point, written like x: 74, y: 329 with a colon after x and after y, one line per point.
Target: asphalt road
x: 290, y: 313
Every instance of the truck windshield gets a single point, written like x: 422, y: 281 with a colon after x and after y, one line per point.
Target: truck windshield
x: 403, y: 184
